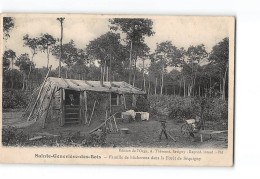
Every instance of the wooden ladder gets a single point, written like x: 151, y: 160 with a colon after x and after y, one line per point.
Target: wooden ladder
x: 72, y: 114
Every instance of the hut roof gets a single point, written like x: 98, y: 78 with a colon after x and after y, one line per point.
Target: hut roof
x: 120, y: 87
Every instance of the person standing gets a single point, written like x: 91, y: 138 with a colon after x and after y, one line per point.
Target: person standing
x: 163, y: 129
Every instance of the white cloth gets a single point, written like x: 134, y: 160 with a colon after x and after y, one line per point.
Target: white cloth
x: 144, y: 116
x: 132, y: 113
x: 190, y: 121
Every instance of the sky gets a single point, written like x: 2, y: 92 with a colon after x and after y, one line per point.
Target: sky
x: 183, y: 31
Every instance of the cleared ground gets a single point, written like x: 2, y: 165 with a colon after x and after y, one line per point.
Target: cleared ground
x: 141, y: 133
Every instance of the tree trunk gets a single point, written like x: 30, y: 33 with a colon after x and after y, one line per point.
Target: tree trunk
x: 48, y: 57
x: 12, y: 78
x: 162, y: 85
x: 130, y: 62
x: 28, y: 77
x: 183, y: 88
x: 224, y: 84
x: 155, y: 86
x: 107, y: 74
x: 31, y: 66
x: 104, y: 72
x: 179, y: 88
x: 220, y: 88
x: 210, y: 86
x: 144, y: 77
x: 174, y: 90
x: 134, y: 71
x: 110, y: 69
x: 27, y: 84
x: 189, y: 89
x: 23, y: 88
x: 162, y: 77
x: 61, y: 37
x: 149, y: 86
x: 144, y: 85
x: 101, y: 75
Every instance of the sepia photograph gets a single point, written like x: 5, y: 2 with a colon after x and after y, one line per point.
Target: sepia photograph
x: 145, y: 84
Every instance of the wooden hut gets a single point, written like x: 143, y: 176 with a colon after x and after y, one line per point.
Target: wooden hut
x: 75, y: 101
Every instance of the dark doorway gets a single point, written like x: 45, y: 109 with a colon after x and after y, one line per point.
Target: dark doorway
x: 71, y: 97
x: 72, y: 107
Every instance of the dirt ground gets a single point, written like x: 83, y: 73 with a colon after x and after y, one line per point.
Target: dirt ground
x: 141, y: 133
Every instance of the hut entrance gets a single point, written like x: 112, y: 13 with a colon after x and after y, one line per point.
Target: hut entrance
x: 72, y: 107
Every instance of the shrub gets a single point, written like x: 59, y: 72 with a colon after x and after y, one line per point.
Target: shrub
x: 180, y: 108
x: 15, y: 99
x: 142, y: 104
x: 216, y: 109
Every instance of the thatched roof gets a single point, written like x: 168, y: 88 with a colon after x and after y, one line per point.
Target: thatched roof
x: 83, y: 85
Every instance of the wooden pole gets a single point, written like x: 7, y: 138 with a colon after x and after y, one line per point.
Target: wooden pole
x: 81, y: 110
x: 86, y: 107
x: 92, y: 112
x: 102, y: 124
x: 124, y: 100
x: 109, y: 76
x: 111, y: 125
x: 171, y: 137
x: 61, y: 19
x: 97, y: 127
x: 31, y: 98
x: 38, y: 97
x: 62, y: 112
x: 105, y: 119
x: 43, y: 124
x: 110, y: 108
x: 41, y: 103
x: 115, y: 123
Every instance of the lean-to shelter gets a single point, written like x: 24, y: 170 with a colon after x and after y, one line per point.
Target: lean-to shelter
x: 68, y: 101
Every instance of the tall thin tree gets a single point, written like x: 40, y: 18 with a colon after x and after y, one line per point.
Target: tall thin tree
x: 46, y: 41
x: 60, y: 19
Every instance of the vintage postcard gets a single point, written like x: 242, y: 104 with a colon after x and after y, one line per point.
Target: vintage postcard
x: 117, y: 89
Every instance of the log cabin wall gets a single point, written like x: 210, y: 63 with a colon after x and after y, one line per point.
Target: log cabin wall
x: 101, y: 106
x: 54, y: 112
x: 125, y: 102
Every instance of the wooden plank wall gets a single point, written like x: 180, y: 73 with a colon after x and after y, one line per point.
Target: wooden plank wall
x: 62, y: 106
